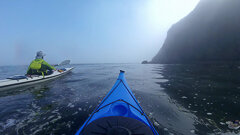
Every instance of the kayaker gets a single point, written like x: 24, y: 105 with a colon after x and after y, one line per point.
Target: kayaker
x: 39, y: 66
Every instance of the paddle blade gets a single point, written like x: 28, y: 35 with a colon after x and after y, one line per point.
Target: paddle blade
x: 66, y: 62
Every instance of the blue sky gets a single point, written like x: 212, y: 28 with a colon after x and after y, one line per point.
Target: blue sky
x: 86, y: 31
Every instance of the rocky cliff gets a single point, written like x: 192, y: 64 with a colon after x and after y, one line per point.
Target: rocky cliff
x: 210, y: 33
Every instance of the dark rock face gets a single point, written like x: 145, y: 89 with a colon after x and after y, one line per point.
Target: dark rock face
x: 145, y: 62
x: 210, y: 33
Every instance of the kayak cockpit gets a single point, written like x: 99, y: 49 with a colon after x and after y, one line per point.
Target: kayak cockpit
x: 117, y: 125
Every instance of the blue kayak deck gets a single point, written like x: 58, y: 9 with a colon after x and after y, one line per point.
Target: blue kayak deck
x: 120, y: 101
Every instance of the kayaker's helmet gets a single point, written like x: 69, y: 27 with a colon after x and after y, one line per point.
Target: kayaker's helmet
x: 40, y: 55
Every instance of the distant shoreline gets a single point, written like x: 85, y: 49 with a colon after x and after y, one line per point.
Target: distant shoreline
x: 200, y: 63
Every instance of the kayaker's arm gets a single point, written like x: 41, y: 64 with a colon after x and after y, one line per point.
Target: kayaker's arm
x: 49, y: 66
x: 29, y: 71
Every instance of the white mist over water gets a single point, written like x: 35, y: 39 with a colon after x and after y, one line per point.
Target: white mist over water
x: 103, y: 31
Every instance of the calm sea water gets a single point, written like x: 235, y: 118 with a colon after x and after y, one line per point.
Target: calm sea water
x: 179, y: 99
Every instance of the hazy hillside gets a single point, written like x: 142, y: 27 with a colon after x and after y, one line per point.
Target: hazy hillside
x: 209, y: 33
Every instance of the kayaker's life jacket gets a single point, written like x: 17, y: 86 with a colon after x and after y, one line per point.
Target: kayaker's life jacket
x: 37, y: 65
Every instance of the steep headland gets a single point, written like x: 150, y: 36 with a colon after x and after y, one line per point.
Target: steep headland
x: 210, y: 33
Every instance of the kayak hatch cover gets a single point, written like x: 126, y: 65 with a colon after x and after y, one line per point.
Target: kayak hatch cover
x: 119, y: 113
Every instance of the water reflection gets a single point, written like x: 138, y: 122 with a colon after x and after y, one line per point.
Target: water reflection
x: 210, y: 92
x: 39, y: 92
x: 179, y: 99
